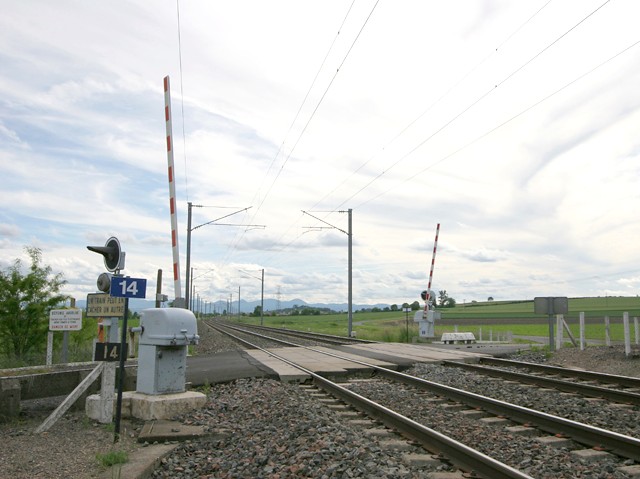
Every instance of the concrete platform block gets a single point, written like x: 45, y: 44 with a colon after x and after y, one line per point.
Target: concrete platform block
x: 149, y: 407
x: 162, y: 431
x: 9, y: 398
x: 453, y: 407
x: 632, y: 471
x: 94, y: 406
x: 522, y: 430
x: 554, y: 441
x: 590, y: 455
x: 421, y: 460
x: 396, y: 444
x: 474, y: 413
x: 142, y: 464
x: 495, y: 421
x: 348, y: 414
x: 364, y: 423
x: 446, y: 475
x: 378, y: 432
x: 164, y: 406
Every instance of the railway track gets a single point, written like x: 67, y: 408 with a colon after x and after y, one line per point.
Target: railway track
x: 329, y: 339
x: 628, y: 396
x: 622, y: 381
x: 467, y: 404
x: 464, y: 457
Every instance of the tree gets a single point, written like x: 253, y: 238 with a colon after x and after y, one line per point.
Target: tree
x: 257, y: 311
x: 25, y: 302
x: 394, y: 307
x: 415, y: 306
x: 450, y: 303
x: 443, y: 296
x: 490, y: 298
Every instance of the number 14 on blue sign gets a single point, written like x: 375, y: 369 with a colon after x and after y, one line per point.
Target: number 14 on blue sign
x: 128, y: 287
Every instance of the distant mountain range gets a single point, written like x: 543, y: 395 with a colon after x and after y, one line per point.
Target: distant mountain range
x: 250, y: 306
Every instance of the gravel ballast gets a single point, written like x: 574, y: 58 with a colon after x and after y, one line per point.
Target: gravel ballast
x: 277, y: 430
x: 272, y: 430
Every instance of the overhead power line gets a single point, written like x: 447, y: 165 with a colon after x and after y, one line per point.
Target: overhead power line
x: 497, y: 127
x: 306, y: 125
x: 468, y: 107
x: 433, y: 104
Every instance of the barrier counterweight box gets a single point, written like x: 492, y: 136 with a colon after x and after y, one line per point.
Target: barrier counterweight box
x: 165, y: 334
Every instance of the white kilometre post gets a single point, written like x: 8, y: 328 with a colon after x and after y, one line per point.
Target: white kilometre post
x: 172, y: 196
x: 49, y: 348
x: 627, y: 334
x: 559, y: 338
x: 582, y: 343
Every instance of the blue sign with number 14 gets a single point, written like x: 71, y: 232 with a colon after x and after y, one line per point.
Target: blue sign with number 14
x: 128, y: 287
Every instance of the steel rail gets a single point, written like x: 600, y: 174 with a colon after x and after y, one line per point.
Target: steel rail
x: 625, y: 446
x: 625, y: 381
x: 307, y: 334
x: 589, y: 390
x: 620, y: 444
x: 275, y: 340
x: 335, y: 340
x: 461, y: 455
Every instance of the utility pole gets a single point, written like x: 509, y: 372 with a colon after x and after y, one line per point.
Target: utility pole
x: 212, y: 222
x: 350, y: 306
x: 187, y: 291
x: 349, y: 234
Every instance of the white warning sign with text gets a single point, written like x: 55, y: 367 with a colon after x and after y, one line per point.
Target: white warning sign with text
x: 65, y: 320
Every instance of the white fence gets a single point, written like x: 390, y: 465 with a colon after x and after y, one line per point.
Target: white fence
x: 561, y: 327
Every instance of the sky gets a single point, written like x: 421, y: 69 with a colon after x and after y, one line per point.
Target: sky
x: 513, y: 125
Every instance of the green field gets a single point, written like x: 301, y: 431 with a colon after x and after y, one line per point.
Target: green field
x: 496, y: 320
x: 592, y: 307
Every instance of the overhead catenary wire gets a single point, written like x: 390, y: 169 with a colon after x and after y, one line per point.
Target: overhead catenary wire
x: 306, y: 125
x: 433, y: 104
x: 304, y: 101
x: 429, y: 108
x: 470, y: 106
x: 497, y: 127
x: 184, y: 136
x: 502, y: 124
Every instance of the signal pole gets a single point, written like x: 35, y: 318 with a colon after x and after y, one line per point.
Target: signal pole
x: 349, y: 234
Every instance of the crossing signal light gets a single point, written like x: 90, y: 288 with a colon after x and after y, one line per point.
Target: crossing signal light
x: 104, y: 282
x: 113, y: 254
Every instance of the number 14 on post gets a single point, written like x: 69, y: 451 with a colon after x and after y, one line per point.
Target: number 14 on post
x: 128, y: 287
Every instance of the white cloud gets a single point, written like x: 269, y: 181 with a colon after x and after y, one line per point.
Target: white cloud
x: 413, y: 130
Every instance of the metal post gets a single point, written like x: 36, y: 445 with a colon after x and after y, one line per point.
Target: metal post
x: 262, y: 300
x: 186, y: 289
x: 238, y: 302
x: 350, y: 297
x: 191, y: 293
x: 158, y: 288
x: 406, y: 314
x: 123, y: 349
x: 627, y: 334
